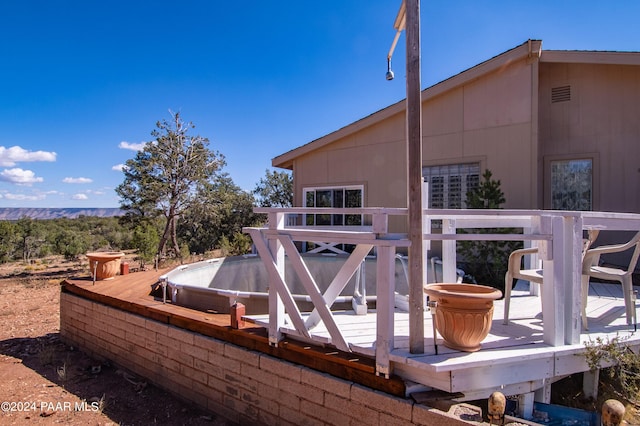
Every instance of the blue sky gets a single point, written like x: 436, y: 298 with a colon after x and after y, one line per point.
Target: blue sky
x: 83, y: 83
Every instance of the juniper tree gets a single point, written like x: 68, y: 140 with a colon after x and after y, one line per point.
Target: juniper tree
x: 165, y: 176
x: 275, y: 189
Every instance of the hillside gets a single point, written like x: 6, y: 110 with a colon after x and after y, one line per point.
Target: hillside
x: 55, y: 213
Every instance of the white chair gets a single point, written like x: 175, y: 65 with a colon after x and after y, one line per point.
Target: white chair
x: 514, y: 272
x: 591, y: 268
x: 531, y: 275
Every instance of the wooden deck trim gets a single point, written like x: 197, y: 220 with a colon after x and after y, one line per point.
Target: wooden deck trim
x: 127, y: 293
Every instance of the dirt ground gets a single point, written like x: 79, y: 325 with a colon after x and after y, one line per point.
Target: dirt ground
x: 43, y: 381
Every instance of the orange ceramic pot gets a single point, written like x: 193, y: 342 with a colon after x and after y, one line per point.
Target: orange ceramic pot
x: 105, y: 264
x: 463, y: 313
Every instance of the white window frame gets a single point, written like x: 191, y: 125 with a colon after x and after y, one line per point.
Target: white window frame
x: 335, y: 219
x: 449, y: 183
x: 583, y: 182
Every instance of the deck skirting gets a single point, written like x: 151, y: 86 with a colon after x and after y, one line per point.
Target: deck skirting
x: 231, y: 381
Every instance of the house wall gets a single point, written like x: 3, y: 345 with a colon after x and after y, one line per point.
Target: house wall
x: 487, y: 120
x: 374, y: 157
x: 244, y: 386
x: 601, y: 121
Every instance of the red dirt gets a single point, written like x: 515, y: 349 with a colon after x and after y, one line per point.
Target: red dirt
x: 44, y: 381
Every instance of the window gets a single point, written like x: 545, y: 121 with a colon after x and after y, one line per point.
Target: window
x: 448, y: 184
x: 572, y: 184
x: 336, y: 197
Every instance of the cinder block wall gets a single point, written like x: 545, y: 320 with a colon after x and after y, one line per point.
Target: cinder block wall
x: 241, y: 385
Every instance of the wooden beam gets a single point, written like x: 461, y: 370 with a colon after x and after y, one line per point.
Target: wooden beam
x: 414, y: 178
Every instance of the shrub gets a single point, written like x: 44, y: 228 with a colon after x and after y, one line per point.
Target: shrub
x: 623, y: 361
x: 238, y: 244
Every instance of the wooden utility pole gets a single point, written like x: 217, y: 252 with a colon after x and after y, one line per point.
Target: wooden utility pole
x: 414, y: 179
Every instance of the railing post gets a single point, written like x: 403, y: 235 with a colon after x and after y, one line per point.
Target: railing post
x: 534, y: 261
x: 276, y: 307
x: 380, y: 223
x: 449, y: 252
x: 385, y: 304
x: 573, y: 269
x: 275, y: 220
x: 426, y: 228
x: 553, y: 292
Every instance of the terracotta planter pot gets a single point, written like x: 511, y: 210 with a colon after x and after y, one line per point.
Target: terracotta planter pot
x: 105, y: 264
x: 463, y: 313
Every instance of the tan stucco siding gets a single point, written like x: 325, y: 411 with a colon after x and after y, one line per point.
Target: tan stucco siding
x: 499, y: 99
x: 600, y: 121
x: 499, y: 114
x: 443, y: 115
x: 487, y: 120
x: 374, y: 157
x: 506, y: 151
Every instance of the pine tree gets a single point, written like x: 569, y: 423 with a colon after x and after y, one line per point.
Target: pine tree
x: 487, y: 195
x: 487, y: 261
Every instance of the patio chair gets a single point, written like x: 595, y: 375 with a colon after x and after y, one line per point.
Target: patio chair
x: 591, y: 268
x: 514, y: 272
x: 531, y: 275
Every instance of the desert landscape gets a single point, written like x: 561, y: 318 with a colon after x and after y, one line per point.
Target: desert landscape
x: 44, y: 381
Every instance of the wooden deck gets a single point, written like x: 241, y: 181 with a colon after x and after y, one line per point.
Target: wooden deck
x: 513, y: 358
x: 140, y: 293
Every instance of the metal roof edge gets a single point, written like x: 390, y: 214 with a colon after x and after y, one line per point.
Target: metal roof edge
x: 591, y: 57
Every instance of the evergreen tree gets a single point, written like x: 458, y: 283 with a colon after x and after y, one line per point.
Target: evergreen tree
x: 275, y: 189
x: 8, y: 241
x: 145, y: 240
x: 487, y: 195
x: 165, y: 176
x: 486, y: 261
x: 221, y: 209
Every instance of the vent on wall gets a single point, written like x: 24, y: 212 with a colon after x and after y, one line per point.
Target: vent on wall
x: 560, y: 94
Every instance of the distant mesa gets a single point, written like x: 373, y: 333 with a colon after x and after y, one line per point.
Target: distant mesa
x: 7, y: 213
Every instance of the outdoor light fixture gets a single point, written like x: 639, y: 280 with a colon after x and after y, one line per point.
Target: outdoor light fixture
x: 389, y: 72
x: 399, y: 25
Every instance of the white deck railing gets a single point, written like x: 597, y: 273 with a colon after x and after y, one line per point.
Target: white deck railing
x: 558, y: 234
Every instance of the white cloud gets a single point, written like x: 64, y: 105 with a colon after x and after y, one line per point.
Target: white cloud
x: 132, y: 146
x: 10, y: 156
x: 20, y: 177
x: 77, y: 180
x: 118, y: 167
x: 80, y: 197
x: 23, y: 197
